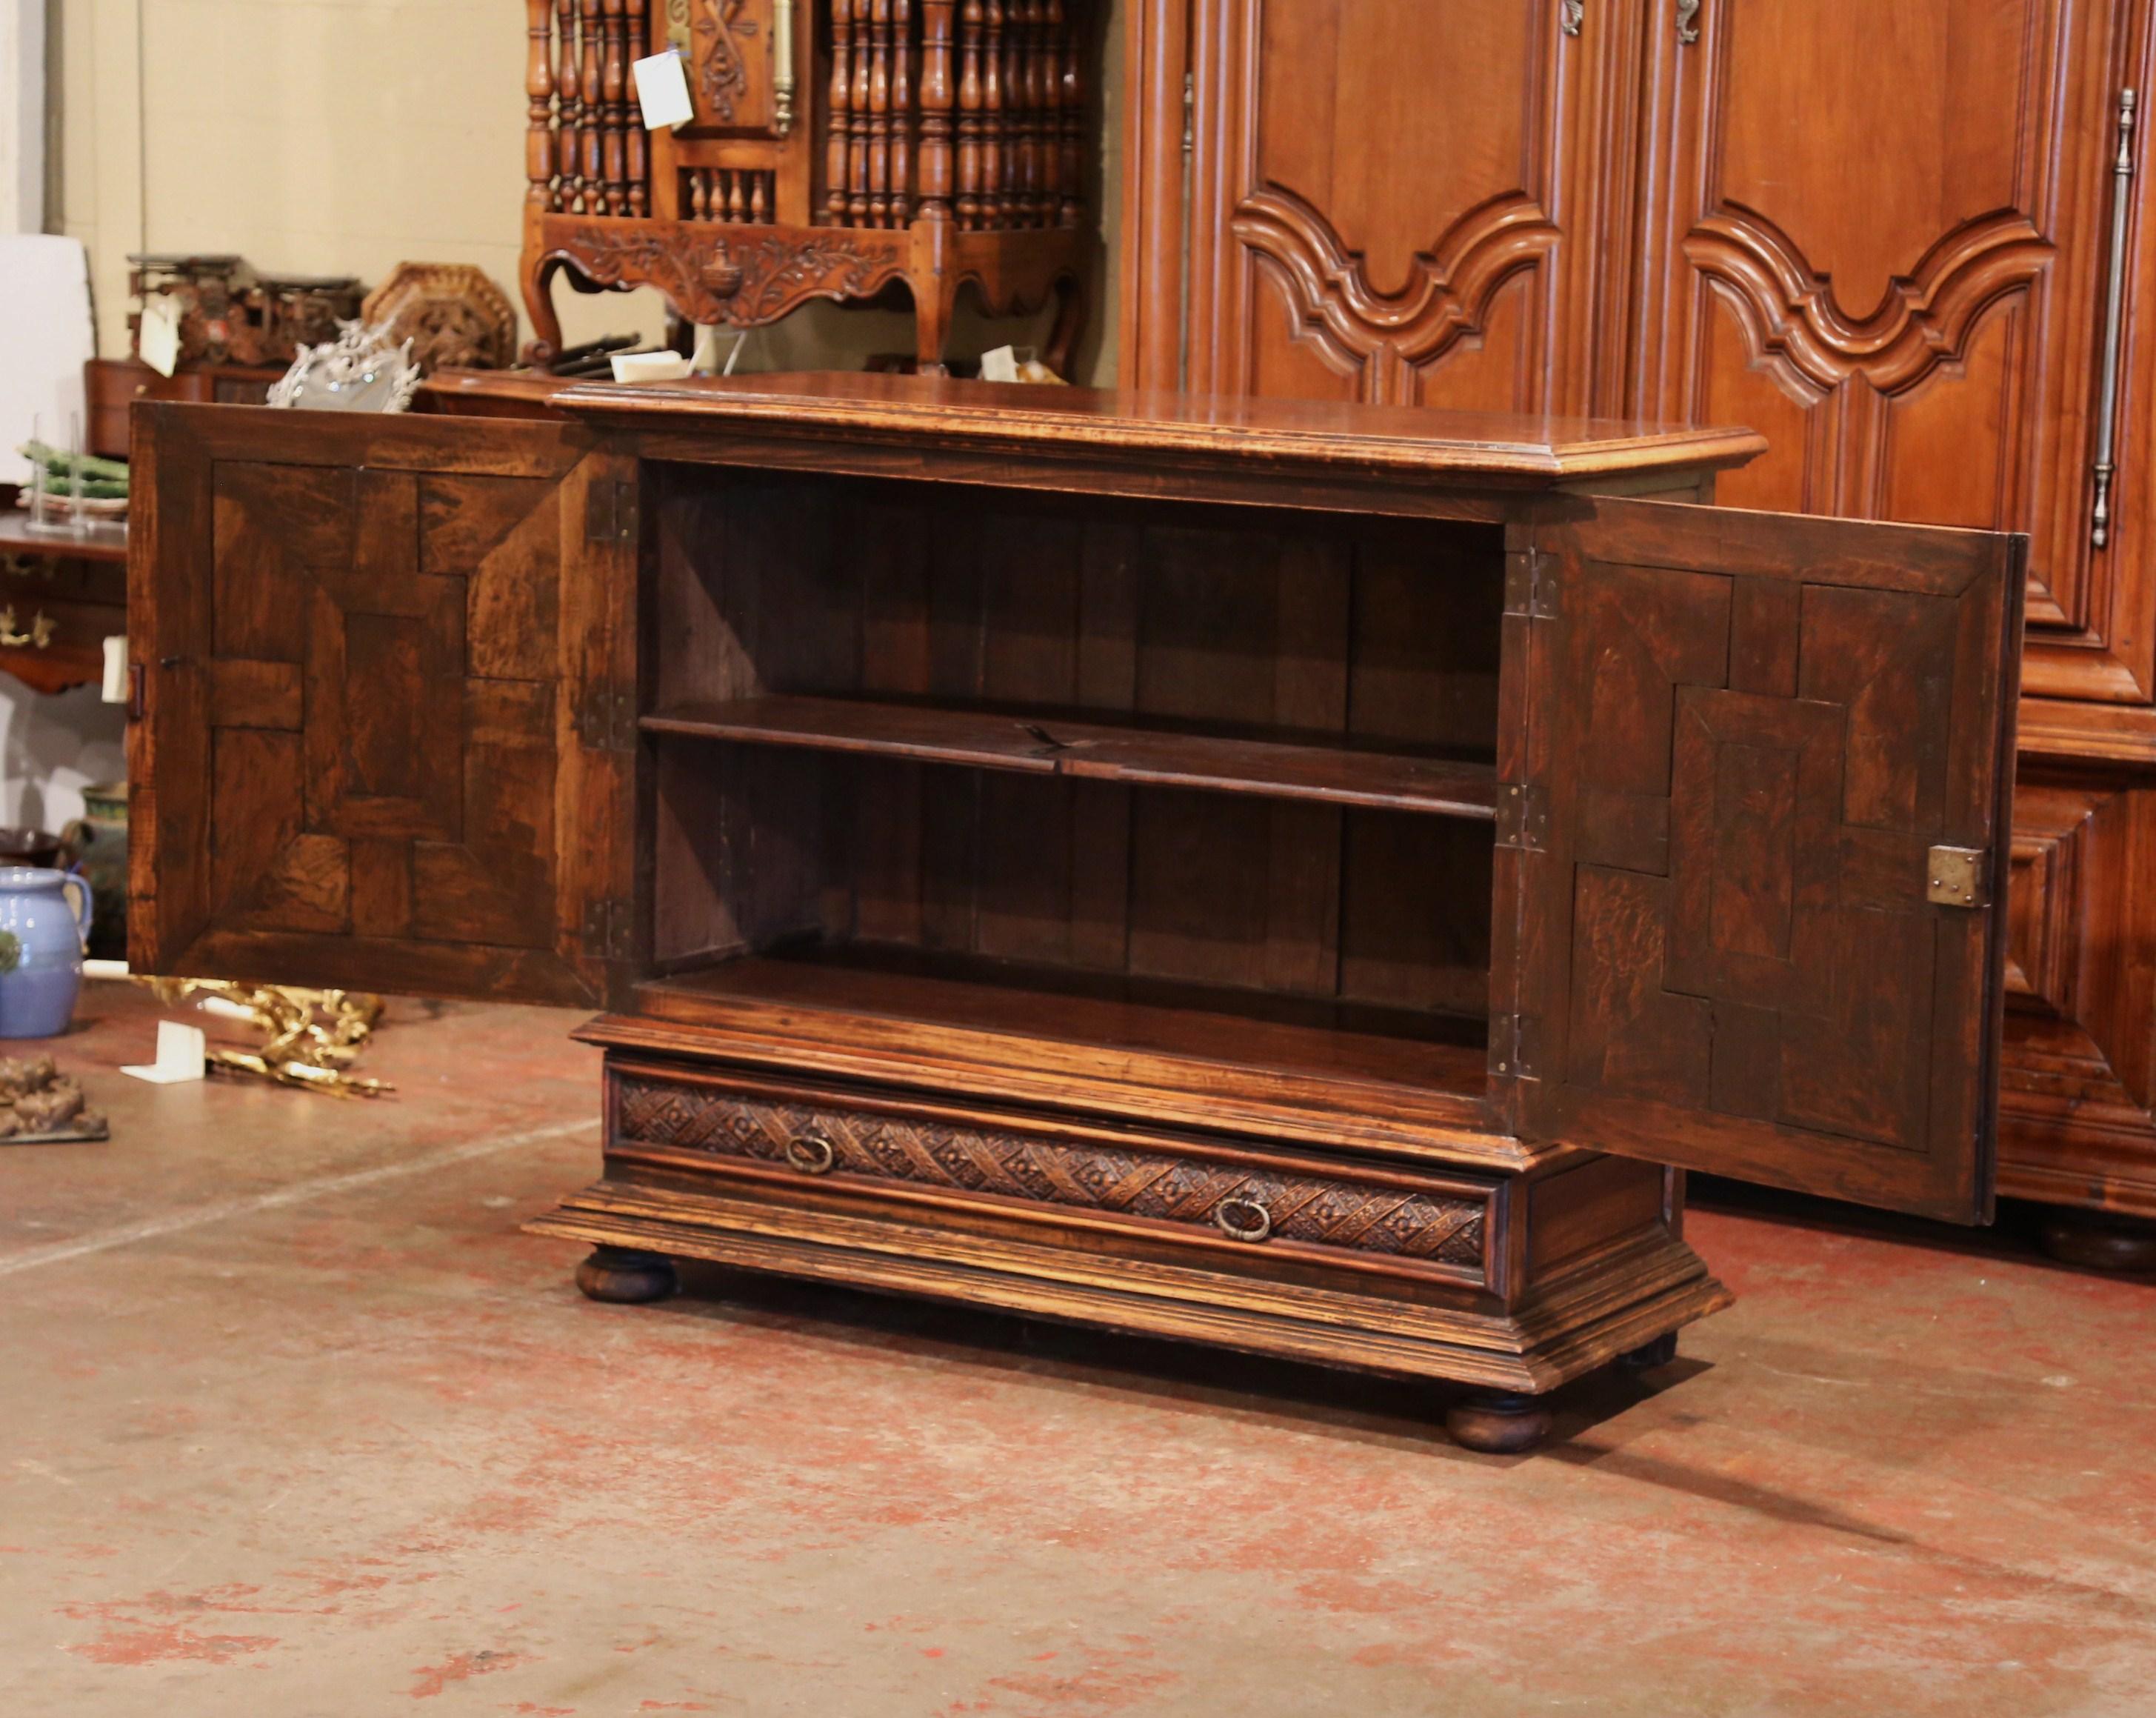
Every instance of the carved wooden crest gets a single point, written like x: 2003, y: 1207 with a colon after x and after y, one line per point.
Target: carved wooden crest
x: 455, y: 316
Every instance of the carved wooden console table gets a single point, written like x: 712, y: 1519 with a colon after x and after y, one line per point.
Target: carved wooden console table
x: 1299, y: 876
x: 841, y: 149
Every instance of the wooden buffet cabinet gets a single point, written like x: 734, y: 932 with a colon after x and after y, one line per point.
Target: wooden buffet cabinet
x: 1908, y: 244
x: 1303, y: 877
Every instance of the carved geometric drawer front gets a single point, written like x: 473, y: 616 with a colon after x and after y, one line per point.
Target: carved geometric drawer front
x: 1188, y: 1192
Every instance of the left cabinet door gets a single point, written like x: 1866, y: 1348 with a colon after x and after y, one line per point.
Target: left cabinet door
x: 384, y: 673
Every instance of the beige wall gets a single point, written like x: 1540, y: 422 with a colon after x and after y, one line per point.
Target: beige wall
x: 342, y: 137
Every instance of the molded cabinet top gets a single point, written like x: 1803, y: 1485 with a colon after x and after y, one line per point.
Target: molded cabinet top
x: 1316, y: 435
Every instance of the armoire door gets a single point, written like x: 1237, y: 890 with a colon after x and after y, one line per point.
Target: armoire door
x: 383, y: 702
x: 1392, y: 201
x: 1757, y: 914
x: 1887, y: 236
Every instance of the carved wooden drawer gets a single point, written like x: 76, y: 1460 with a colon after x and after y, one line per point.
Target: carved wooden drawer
x: 1222, y: 1197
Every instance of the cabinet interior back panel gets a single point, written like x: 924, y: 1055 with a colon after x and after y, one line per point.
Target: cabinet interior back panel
x: 1236, y: 620
x: 1213, y: 621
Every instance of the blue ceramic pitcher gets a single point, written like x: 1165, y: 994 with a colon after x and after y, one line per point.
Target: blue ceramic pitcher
x: 37, y: 998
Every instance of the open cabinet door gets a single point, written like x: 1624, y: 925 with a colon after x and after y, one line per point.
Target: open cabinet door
x: 383, y: 670
x: 1757, y: 863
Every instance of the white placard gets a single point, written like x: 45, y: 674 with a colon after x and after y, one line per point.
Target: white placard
x: 179, y: 1055
x: 649, y: 366
x: 158, y: 339
x: 1000, y: 365
x: 662, y: 91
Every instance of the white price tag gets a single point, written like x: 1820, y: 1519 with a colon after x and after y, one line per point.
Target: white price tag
x: 1000, y: 365
x: 158, y: 339
x: 662, y: 91
x: 179, y: 1055
x: 648, y: 365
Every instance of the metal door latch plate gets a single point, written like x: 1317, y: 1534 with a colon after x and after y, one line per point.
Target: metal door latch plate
x: 1955, y: 877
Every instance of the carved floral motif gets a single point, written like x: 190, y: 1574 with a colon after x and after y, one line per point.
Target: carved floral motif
x: 725, y: 78
x: 711, y: 277
x: 1128, y: 1182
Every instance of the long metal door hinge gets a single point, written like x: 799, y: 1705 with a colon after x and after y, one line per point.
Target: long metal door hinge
x: 609, y: 929
x: 1183, y: 260
x: 2114, y: 300
x: 1516, y: 1046
x: 606, y: 720
x: 1531, y: 585
x: 610, y: 511
x: 1523, y: 817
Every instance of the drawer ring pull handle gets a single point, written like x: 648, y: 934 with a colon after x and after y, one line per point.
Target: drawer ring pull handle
x: 812, y: 1154
x: 1243, y: 1220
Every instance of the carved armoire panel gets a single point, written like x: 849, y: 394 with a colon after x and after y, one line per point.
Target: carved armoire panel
x: 2080, y: 1032
x: 1885, y: 241
x: 1377, y: 201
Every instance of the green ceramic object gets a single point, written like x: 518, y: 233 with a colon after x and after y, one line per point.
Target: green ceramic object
x: 97, y: 841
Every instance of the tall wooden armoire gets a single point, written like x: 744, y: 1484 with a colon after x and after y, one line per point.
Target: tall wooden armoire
x: 852, y: 150
x: 1907, y: 243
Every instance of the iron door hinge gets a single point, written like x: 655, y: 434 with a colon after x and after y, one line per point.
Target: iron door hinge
x: 606, y: 720
x: 609, y: 929
x: 1958, y: 876
x: 610, y: 511
x: 1516, y: 1046
x: 1523, y: 817
x: 1531, y: 585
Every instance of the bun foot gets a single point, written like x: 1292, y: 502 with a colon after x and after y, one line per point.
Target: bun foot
x: 2096, y: 1243
x: 1497, y: 1422
x: 626, y: 1277
x: 1650, y: 1355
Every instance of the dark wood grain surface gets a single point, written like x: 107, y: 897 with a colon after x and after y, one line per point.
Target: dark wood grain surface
x: 1291, y: 433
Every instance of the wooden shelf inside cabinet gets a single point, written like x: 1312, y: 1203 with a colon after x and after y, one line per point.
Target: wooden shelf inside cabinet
x: 985, y: 739
x: 1191, y: 1048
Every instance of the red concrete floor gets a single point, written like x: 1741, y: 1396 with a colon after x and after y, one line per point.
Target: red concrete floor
x: 294, y: 1421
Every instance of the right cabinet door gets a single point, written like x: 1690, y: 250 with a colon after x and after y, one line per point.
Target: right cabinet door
x: 1886, y: 236
x: 1757, y: 888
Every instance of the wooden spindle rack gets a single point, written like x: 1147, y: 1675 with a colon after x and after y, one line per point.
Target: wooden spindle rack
x: 841, y: 149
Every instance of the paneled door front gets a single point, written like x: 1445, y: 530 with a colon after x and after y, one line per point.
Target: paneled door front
x: 1388, y: 201
x: 1882, y: 235
x: 1766, y: 773
x: 380, y: 667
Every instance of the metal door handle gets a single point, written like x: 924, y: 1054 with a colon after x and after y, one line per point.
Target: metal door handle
x: 2106, y: 407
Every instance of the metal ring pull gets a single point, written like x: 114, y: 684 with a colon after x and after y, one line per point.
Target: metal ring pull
x: 1243, y: 1219
x: 812, y: 1154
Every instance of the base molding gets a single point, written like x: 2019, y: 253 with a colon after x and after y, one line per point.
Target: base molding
x: 1621, y: 1301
